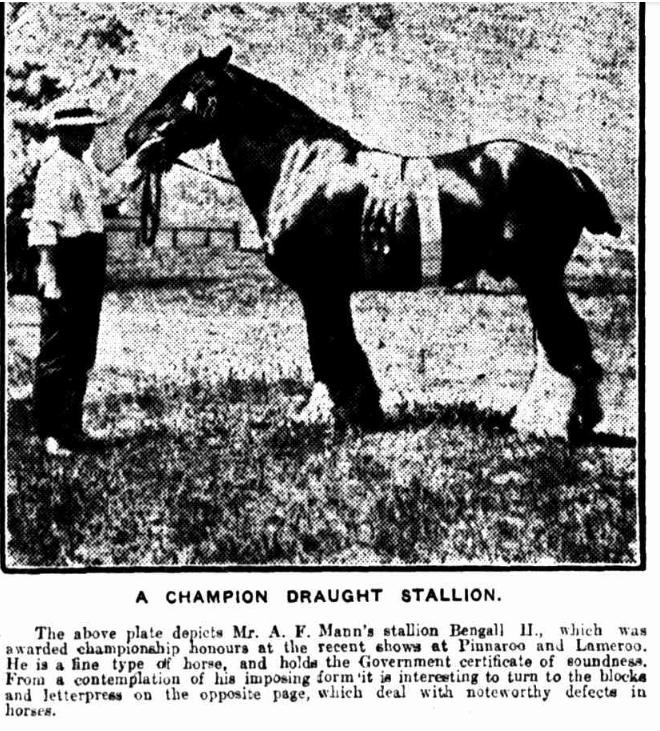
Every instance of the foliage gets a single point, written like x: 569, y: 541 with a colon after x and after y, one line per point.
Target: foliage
x: 110, y: 33
x: 29, y: 83
x: 401, y: 76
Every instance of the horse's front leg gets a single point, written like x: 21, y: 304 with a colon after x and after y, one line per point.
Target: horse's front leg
x: 340, y: 366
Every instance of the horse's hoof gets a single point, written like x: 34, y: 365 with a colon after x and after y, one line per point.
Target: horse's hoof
x: 392, y: 405
x: 581, y: 426
x: 371, y: 420
x: 547, y: 407
x: 319, y: 409
x: 590, y: 417
x: 363, y: 411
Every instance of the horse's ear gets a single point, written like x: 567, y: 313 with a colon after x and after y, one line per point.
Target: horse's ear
x: 200, y: 54
x: 224, y: 56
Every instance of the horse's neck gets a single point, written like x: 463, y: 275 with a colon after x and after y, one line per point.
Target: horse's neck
x: 255, y: 162
x: 254, y: 148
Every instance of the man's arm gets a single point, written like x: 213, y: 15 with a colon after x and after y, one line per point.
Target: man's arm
x: 122, y: 181
x: 43, y: 236
x: 47, y: 217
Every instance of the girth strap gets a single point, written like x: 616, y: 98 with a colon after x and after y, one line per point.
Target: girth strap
x: 421, y: 178
x: 401, y: 229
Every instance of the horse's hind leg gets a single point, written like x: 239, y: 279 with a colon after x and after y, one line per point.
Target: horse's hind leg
x: 338, y: 361
x: 568, y: 404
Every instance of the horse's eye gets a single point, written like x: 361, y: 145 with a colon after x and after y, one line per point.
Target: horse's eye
x: 189, y: 103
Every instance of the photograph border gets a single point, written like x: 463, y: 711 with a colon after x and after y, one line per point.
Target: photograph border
x: 641, y: 565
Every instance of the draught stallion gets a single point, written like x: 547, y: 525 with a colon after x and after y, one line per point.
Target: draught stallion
x: 337, y: 217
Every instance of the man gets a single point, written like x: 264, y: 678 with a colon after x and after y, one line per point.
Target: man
x: 67, y: 229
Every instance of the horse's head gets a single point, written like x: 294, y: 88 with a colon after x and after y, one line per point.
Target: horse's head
x: 182, y: 116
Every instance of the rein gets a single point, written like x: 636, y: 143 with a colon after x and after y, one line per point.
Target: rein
x: 221, y: 178
x: 152, y: 196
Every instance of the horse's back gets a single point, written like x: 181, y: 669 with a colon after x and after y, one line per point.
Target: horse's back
x: 496, y: 163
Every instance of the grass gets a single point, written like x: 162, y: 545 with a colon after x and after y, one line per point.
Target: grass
x: 211, y: 471
x: 230, y: 481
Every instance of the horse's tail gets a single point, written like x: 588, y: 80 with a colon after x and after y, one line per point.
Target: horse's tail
x: 598, y: 216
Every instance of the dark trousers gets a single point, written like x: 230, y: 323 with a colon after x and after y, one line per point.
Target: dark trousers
x: 69, y: 333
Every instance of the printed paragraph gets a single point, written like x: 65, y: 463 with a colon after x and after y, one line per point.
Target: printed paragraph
x: 297, y: 663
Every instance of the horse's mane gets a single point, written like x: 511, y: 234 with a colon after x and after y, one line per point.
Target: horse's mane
x: 302, y: 117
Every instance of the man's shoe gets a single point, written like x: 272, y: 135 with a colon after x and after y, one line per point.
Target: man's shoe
x: 53, y: 448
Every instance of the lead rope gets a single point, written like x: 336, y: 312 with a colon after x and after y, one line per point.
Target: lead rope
x: 151, y: 203
x: 151, y: 200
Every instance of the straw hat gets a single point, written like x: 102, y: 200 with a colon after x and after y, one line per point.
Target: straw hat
x: 76, y: 117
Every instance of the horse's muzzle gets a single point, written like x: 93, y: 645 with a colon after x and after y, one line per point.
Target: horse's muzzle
x: 154, y: 153
x: 138, y: 133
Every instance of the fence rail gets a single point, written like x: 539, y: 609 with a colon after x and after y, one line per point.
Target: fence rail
x: 171, y: 233
x: 180, y: 253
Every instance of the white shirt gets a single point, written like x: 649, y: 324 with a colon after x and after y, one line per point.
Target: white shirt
x: 69, y: 196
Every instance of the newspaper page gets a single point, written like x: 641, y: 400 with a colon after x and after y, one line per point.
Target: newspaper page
x: 326, y: 370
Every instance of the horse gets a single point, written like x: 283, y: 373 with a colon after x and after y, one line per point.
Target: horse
x: 505, y: 207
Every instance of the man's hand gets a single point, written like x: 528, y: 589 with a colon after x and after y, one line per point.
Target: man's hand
x: 47, y: 277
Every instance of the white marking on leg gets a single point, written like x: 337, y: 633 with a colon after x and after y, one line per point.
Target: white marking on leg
x: 319, y: 408
x: 547, y: 406
x: 392, y: 403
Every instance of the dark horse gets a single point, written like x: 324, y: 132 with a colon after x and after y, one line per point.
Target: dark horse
x: 506, y: 208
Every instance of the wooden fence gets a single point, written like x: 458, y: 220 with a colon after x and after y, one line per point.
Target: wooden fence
x: 181, y: 252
